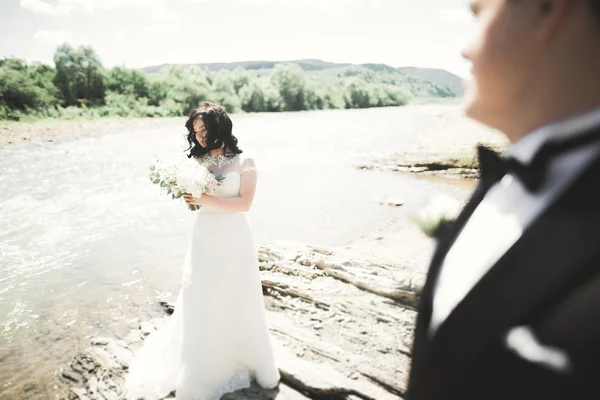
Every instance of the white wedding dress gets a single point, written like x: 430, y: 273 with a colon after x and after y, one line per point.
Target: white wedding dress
x: 217, y: 339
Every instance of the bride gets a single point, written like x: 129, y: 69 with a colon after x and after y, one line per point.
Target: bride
x: 217, y: 339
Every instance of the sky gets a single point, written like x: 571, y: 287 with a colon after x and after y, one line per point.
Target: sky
x: 139, y: 33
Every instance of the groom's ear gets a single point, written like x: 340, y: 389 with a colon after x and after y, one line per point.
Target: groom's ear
x: 550, y: 16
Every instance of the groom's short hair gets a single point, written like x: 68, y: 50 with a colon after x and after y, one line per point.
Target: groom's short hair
x: 595, y: 4
x: 596, y: 7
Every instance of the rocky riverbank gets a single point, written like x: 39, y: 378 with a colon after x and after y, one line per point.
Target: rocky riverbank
x: 465, y: 167
x: 342, y: 323
x: 53, y: 131
x: 455, y: 160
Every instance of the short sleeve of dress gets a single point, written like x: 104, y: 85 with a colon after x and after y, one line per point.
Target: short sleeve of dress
x: 248, y: 165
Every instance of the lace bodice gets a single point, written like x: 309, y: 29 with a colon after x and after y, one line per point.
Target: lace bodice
x: 222, y: 165
x: 230, y: 168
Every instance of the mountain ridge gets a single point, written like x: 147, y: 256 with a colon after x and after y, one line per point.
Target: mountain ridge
x: 437, y: 76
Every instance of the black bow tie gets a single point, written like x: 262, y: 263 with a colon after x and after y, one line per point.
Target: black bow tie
x: 493, y: 166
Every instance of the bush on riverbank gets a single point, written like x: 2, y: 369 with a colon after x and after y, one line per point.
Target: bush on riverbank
x: 78, y: 86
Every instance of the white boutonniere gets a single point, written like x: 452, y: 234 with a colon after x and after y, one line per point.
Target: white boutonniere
x: 437, y: 215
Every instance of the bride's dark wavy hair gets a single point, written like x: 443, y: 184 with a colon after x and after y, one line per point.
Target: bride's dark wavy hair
x: 218, y: 131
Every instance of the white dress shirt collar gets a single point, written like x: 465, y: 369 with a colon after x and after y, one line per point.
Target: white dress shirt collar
x: 525, y: 149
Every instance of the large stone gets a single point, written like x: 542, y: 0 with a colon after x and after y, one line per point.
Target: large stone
x: 168, y: 307
x: 72, y: 376
x: 390, y: 201
x: 81, y: 393
x: 320, y: 380
x: 93, y: 385
x: 100, y: 341
x: 121, y: 354
x: 146, y: 328
x: 104, y: 358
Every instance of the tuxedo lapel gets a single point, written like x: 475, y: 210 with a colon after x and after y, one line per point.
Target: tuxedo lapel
x: 556, y: 254
x: 445, y: 242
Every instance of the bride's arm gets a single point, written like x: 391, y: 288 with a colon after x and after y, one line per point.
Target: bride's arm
x: 232, y: 204
x: 235, y: 204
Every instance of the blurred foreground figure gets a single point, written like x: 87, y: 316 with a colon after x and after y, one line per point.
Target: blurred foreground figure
x: 511, y: 306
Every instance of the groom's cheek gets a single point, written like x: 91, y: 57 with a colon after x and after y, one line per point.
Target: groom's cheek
x: 484, y: 50
x: 498, y: 54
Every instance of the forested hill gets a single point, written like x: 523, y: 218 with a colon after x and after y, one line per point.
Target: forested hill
x: 78, y: 85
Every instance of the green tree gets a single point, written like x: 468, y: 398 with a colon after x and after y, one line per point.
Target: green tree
x: 333, y: 96
x: 223, y: 92
x: 24, y: 87
x: 357, y: 94
x: 252, y: 97
x: 291, y: 82
x: 79, y: 75
x: 186, y: 88
x: 158, y: 91
x: 127, y: 81
x: 240, y: 78
x: 223, y: 82
x: 87, y: 90
x: 273, y: 102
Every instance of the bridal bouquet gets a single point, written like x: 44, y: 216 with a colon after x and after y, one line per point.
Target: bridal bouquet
x: 183, y: 176
x: 437, y: 215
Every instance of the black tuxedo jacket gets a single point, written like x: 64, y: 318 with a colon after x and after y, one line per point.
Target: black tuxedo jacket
x: 549, y: 282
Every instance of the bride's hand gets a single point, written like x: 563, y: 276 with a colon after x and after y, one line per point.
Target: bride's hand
x: 196, y: 201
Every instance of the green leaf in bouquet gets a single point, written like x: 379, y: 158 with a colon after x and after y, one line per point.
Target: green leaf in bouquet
x: 152, y: 168
x: 220, y: 178
x: 169, y: 191
x: 163, y: 184
x: 156, y: 181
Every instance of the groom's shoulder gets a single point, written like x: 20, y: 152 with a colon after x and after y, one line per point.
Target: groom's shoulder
x: 584, y: 192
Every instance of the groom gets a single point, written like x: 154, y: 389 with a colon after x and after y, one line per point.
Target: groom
x: 511, y: 306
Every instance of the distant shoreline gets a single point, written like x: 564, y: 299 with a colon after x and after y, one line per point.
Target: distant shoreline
x: 6, y: 124
x: 55, y: 130
x: 448, y: 154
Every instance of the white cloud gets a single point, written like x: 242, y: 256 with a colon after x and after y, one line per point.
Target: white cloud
x: 53, y: 37
x: 427, y: 33
x: 38, y: 6
x: 70, y: 7
x: 163, y: 29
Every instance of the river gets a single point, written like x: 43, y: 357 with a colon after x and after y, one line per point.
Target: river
x: 88, y: 245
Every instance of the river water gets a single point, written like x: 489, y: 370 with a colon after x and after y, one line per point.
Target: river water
x: 87, y: 244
